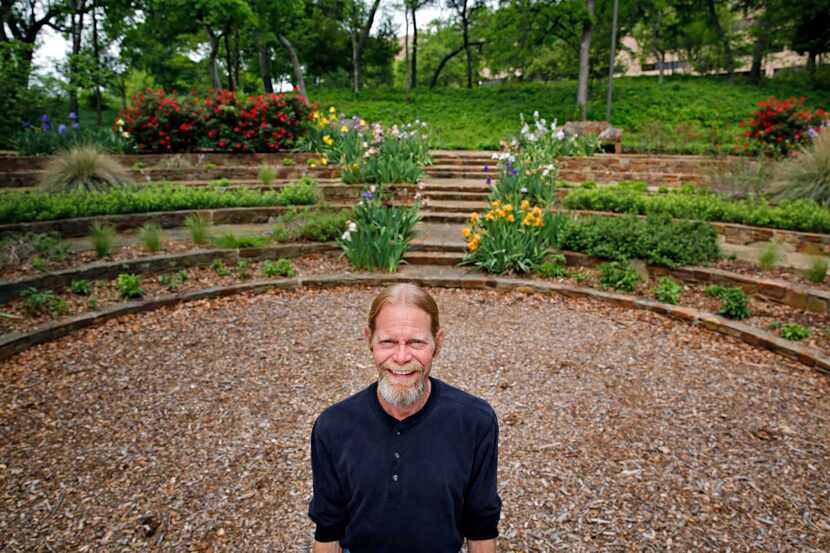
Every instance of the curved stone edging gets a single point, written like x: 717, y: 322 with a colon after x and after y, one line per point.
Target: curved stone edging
x: 736, y: 233
x: 158, y: 264
x: 17, y: 342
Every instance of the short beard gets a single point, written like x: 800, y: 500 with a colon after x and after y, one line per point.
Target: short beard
x: 398, y: 395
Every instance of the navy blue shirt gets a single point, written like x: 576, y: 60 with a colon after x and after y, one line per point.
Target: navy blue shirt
x: 419, y: 485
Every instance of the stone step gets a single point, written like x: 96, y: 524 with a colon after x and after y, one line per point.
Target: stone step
x: 456, y: 206
x: 442, y: 196
x: 437, y: 246
x: 429, y: 216
x: 465, y: 161
x: 446, y: 172
x: 433, y: 258
x: 456, y: 185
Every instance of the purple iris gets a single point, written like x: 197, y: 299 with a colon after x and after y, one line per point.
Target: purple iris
x: 73, y: 116
x: 367, y: 196
x: 44, y: 118
x: 489, y: 181
x: 76, y: 125
x: 514, y: 172
x: 61, y: 128
x: 812, y: 132
x: 486, y: 168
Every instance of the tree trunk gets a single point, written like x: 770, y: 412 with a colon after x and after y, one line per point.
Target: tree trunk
x: 661, y: 54
x: 610, y: 100
x: 413, y: 62
x: 811, y: 64
x: 408, y: 79
x: 759, y: 50
x: 585, y: 62
x: 448, y: 57
x: 228, y: 60
x: 295, y: 63
x: 466, y: 23
x: 77, y: 31
x: 264, y: 64
x: 213, y: 69
x: 661, y: 65
x: 729, y: 60
x: 96, y: 53
x: 236, y: 59
x: 359, y: 44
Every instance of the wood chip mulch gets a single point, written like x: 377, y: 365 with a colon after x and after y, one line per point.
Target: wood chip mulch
x: 186, y: 428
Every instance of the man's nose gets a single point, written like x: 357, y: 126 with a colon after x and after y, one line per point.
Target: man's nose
x: 402, y: 353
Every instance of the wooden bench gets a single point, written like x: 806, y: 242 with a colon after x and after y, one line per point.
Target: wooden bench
x: 607, y: 134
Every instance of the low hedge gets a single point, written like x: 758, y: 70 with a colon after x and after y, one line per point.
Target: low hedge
x: 19, y: 207
x: 799, y: 215
x: 656, y: 240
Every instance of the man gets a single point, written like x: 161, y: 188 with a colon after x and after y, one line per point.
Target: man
x: 408, y: 465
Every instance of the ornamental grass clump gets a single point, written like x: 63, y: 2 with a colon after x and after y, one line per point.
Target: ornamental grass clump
x: 199, y: 227
x: 817, y: 271
x: 102, y: 236
x: 379, y: 235
x: 83, y: 168
x: 150, y: 236
x: 807, y: 175
x: 267, y: 174
x: 770, y: 256
x: 510, y: 238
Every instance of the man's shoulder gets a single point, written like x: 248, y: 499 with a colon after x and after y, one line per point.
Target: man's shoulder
x: 345, y: 412
x: 466, y: 403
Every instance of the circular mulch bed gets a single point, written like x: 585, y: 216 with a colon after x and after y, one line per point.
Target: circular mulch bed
x: 186, y: 429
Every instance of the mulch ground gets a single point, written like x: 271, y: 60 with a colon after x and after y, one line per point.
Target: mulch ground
x: 186, y: 429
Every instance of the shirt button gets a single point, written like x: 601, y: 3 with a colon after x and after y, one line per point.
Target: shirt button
x: 397, y: 432
x: 395, y: 477
x: 397, y: 455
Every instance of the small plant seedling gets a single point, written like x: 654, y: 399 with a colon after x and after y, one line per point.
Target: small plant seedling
x: 817, y: 271
x: 734, y: 303
x: 171, y: 282
x: 795, y: 332
x: 774, y: 325
x: 219, y: 268
x: 668, y: 290
x: 770, y: 256
x: 243, y: 269
x: 280, y: 267
x: 224, y: 182
x: 81, y: 287
x: 619, y: 275
x: 37, y: 302
x: 138, y: 166
x: 39, y: 264
x: 580, y: 277
x: 93, y: 303
x: 129, y: 286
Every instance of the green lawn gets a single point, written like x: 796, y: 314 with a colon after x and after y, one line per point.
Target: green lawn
x: 681, y: 115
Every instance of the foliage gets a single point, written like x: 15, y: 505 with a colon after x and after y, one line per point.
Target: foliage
x: 102, y: 236
x: 516, y: 183
x: 19, y: 207
x: 553, y: 267
x: 303, y: 192
x: 174, y: 280
x: 807, y: 175
x: 150, y: 236
x: 267, y: 174
x: 817, y: 271
x: 81, y: 287
x: 690, y: 203
x: 782, y: 126
x: 83, y: 168
x: 668, y: 290
x: 511, y: 239
x: 129, y: 286
x: 656, y: 240
x: 619, y: 275
x: 243, y: 269
x: 48, y: 138
x: 218, y: 267
x: 14, y: 249
x: 280, y: 267
x: 317, y: 226
x: 37, y: 302
x: 734, y: 303
x: 378, y: 237
x: 14, y: 71
x: 231, y: 241
x: 158, y: 122
x: 770, y: 256
x: 795, y: 332
x: 199, y: 226
x: 39, y: 264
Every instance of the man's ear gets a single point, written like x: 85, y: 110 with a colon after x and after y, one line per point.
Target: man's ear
x: 368, y: 335
x: 439, y: 341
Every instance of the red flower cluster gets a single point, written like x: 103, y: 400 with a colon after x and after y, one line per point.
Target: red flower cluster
x: 779, y: 127
x: 222, y: 122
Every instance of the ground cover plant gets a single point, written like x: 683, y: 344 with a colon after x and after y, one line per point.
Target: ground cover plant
x: 43, y: 301
x: 619, y: 275
x: 817, y: 271
x: 795, y: 332
x: 699, y: 204
x: 277, y: 268
x: 19, y: 207
x: 675, y: 116
x: 656, y: 239
x: 379, y: 235
x: 668, y: 290
x: 316, y: 225
x: 16, y: 248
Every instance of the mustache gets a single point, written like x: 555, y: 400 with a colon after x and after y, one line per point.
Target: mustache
x: 412, y: 366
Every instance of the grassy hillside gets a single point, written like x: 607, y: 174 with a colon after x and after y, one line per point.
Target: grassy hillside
x: 680, y: 115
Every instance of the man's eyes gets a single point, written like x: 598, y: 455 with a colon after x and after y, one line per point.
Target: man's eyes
x: 414, y: 344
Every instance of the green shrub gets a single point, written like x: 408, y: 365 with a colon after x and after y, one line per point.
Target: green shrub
x: 619, y: 275
x: 219, y: 268
x: 656, y: 240
x: 81, y: 287
x: 83, y: 168
x: 303, y: 192
x: 553, y: 267
x: 267, y: 174
x: 668, y: 290
x: 231, y: 241
x: 150, y: 236
x: 770, y: 256
x: 18, y: 207
x: 800, y: 215
x: 103, y: 237
x: 817, y: 271
x: 379, y: 236
x: 39, y: 264
x: 795, y: 332
x: 199, y: 227
x: 280, y: 267
x: 129, y: 286
x: 324, y: 226
x: 37, y: 302
x: 806, y: 176
x: 734, y: 303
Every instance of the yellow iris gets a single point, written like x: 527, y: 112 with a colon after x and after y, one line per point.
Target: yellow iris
x: 328, y: 140
x: 466, y: 232
x: 489, y: 216
x: 525, y: 204
x: 508, y: 208
x: 474, y: 218
x: 332, y: 110
x: 344, y: 129
x: 495, y: 203
x: 510, y: 218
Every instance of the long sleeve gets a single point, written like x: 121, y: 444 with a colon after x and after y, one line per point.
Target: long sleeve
x: 328, y: 503
x: 482, y: 505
